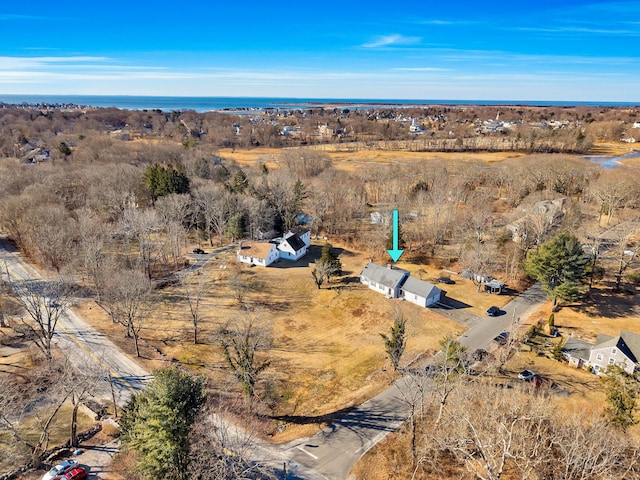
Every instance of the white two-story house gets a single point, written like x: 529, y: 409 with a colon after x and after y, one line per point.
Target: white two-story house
x: 623, y: 350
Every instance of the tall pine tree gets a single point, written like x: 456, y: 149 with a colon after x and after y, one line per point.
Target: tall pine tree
x: 157, y: 423
x: 560, y: 264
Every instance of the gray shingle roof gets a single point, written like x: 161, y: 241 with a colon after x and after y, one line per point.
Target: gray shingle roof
x: 389, y: 277
x: 418, y: 287
x: 577, y: 348
x: 631, y: 341
x: 628, y: 342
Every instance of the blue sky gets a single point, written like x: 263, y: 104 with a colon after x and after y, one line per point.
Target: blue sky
x: 544, y: 50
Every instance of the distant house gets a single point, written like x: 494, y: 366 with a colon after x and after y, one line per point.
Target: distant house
x: 576, y: 352
x: 623, y: 350
x: 386, y: 280
x: 421, y: 293
x: 257, y: 253
x: 415, y: 128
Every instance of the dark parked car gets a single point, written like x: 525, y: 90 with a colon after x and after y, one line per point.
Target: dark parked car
x: 479, y: 355
x: 493, y: 311
x: 446, y: 280
x: 198, y: 251
x: 502, y: 338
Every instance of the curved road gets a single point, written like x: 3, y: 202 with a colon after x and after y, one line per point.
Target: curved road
x: 335, y: 450
x: 332, y: 452
x: 89, y: 346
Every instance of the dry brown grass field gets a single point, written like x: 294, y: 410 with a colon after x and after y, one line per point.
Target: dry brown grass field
x: 351, y: 160
x: 327, y: 353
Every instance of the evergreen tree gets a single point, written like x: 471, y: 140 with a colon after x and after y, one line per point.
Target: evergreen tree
x: 157, y: 423
x: 401, y: 243
x: 395, y: 342
x: 239, y: 183
x: 622, y: 392
x: 295, y: 205
x: 561, y: 266
x: 236, y: 226
x: 332, y: 266
x: 160, y: 180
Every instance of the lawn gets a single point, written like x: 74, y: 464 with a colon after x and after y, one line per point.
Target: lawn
x: 326, y: 352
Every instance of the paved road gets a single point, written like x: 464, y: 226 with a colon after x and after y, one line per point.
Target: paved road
x: 334, y: 450
x: 87, y: 345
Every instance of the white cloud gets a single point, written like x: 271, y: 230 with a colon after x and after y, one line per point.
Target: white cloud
x: 392, y: 40
x: 13, y: 63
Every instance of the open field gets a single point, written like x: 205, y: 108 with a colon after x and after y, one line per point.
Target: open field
x: 326, y: 350
x: 348, y: 160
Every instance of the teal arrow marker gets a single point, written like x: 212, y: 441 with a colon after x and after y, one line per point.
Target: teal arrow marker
x: 395, y: 253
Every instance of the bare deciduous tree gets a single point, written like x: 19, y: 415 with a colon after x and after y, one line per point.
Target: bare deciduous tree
x: 195, y: 287
x: 45, y: 302
x: 244, y: 344
x: 127, y: 300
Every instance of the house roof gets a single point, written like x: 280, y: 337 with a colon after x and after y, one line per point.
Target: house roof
x: 628, y: 342
x: 577, y: 349
x: 389, y: 277
x: 295, y: 242
x: 300, y: 231
x: 256, y: 249
x: 419, y: 287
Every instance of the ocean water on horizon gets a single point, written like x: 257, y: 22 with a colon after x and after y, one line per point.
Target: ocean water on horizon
x: 202, y: 104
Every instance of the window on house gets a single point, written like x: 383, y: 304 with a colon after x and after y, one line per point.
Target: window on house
x: 612, y: 361
x: 599, y: 357
x: 614, y: 351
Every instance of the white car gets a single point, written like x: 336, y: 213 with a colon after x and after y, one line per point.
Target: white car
x: 527, y: 375
x: 60, y: 469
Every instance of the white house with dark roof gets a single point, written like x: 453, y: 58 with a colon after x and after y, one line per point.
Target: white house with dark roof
x: 421, y: 293
x: 623, y: 350
x: 303, y: 233
x: 292, y: 248
x: 387, y: 280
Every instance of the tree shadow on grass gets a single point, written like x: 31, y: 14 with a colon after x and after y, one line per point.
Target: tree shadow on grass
x: 609, y: 304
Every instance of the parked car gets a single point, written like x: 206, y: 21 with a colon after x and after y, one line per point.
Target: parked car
x: 446, y: 280
x: 77, y: 473
x: 479, y: 355
x: 527, y: 375
x: 198, y: 251
x: 60, y: 469
x: 493, y: 311
x: 502, y: 338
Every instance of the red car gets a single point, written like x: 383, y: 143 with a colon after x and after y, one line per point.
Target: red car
x: 76, y: 474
